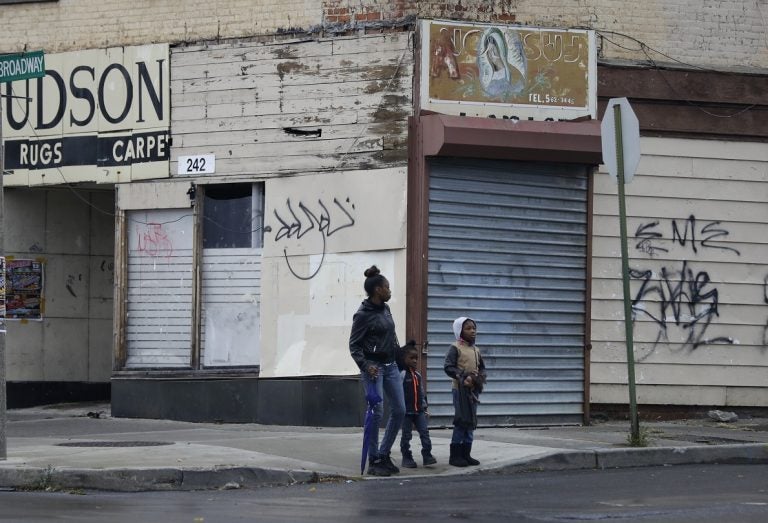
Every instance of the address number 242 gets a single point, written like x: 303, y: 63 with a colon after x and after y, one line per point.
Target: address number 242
x: 198, y: 164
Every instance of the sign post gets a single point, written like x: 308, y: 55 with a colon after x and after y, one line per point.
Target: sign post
x: 620, y: 133
x: 12, y: 67
x: 3, y: 402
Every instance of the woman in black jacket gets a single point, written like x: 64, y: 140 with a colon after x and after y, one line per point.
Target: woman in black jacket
x: 373, y: 345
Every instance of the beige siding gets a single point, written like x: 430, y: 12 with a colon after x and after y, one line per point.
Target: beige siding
x: 237, y: 100
x: 698, y: 247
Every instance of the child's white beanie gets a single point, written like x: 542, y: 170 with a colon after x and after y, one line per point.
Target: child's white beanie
x: 458, y: 324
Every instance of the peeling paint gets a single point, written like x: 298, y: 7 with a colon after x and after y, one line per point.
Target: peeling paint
x: 284, y: 68
x: 285, y: 53
x: 375, y: 87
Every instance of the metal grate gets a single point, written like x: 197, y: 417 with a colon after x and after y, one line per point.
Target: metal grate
x: 113, y: 444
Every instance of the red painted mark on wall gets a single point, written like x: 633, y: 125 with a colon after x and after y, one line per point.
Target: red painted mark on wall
x: 154, y: 241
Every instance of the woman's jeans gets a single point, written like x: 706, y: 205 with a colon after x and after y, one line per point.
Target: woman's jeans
x: 460, y: 434
x: 389, y: 384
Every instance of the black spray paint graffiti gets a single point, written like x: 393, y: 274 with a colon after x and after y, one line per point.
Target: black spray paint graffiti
x: 684, y: 299
x: 649, y: 237
x: 306, y: 220
x: 71, y: 281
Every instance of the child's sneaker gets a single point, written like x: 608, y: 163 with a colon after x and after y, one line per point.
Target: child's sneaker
x: 408, y: 462
x: 429, y: 459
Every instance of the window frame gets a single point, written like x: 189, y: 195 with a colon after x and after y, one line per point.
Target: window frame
x: 257, y: 214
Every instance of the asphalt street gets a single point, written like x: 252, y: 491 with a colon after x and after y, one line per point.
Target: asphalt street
x: 680, y: 494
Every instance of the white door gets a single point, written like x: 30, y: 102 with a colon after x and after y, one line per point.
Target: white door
x: 231, y: 274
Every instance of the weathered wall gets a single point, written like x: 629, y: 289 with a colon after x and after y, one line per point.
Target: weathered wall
x: 267, y: 110
x: 322, y: 232
x: 73, y: 342
x: 718, y: 33
x: 696, y: 222
x: 323, y: 123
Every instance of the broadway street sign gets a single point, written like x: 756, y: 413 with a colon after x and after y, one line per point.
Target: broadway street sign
x: 22, y: 66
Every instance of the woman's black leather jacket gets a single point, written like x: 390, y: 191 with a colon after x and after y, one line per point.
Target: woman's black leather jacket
x: 373, y: 338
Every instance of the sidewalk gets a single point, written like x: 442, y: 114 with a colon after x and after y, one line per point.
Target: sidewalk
x: 82, y: 447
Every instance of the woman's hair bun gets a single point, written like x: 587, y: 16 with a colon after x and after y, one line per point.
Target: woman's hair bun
x: 372, y: 271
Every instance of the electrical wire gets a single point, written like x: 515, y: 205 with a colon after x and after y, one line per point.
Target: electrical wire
x: 645, y: 48
x: 642, y: 47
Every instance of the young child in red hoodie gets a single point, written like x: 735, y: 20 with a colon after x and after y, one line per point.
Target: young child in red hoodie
x: 415, y: 410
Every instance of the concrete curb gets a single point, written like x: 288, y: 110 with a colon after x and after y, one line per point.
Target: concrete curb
x: 160, y: 479
x: 749, y: 453
x: 169, y: 479
x: 653, y: 456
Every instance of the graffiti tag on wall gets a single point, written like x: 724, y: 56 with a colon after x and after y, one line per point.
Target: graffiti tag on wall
x: 323, y: 220
x: 683, y: 298
x: 678, y: 296
x: 651, y: 240
x: 153, y: 240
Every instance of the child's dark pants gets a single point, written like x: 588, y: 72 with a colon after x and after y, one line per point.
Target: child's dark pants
x: 419, y: 420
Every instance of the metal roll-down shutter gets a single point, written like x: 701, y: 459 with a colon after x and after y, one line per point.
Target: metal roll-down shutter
x: 507, y: 247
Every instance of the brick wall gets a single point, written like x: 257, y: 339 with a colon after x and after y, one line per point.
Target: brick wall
x: 84, y: 24
x: 716, y: 33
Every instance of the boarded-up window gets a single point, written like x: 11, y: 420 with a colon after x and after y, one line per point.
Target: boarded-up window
x: 232, y: 241
x: 159, y: 308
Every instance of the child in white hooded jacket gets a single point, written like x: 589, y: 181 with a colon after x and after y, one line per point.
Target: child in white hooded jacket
x: 465, y: 365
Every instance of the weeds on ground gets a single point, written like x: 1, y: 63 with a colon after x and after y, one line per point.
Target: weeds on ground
x: 643, y: 438
x: 43, y: 483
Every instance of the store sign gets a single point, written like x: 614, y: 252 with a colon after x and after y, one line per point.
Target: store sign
x: 98, y: 115
x: 508, y: 71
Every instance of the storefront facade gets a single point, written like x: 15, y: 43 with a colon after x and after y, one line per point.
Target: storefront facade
x: 251, y: 175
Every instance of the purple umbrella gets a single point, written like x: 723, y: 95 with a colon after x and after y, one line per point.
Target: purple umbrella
x: 373, y: 399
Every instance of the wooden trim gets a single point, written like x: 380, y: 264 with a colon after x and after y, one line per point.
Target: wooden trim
x: 119, y: 349
x: 699, y: 104
x: 417, y: 242
x: 671, y: 85
x: 531, y: 141
x: 197, y: 255
x: 182, y: 373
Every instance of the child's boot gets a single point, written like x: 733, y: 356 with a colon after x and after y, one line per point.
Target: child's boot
x: 457, y: 455
x: 408, y: 462
x: 428, y: 458
x: 469, y: 459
